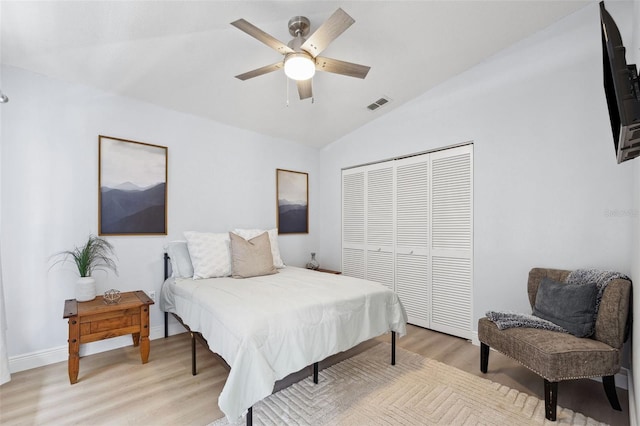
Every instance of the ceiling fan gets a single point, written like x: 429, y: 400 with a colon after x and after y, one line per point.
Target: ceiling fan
x: 301, y: 59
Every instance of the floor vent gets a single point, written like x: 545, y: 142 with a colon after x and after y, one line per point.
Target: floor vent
x: 377, y: 104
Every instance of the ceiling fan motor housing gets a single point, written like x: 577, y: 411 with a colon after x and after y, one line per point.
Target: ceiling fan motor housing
x: 299, y: 26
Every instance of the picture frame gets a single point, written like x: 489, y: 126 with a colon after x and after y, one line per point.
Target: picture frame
x: 292, y: 202
x: 132, y: 187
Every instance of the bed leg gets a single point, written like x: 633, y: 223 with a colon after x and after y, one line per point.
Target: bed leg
x: 193, y: 354
x: 166, y: 265
x: 166, y: 325
x: 393, y: 348
x: 250, y: 416
x: 315, y: 373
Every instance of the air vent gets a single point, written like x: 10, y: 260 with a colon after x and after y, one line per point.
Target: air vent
x: 377, y: 104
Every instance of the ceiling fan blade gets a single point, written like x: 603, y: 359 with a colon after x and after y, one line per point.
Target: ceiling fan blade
x: 305, y: 89
x: 261, y: 36
x: 259, y: 71
x: 341, y: 67
x: 327, y: 32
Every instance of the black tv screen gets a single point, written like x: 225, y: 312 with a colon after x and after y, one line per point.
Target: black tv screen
x: 622, y: 89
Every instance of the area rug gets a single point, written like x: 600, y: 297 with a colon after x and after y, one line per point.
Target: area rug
x: 367, y: 390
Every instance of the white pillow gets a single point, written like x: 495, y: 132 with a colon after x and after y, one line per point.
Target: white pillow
x: 181, y: 266
x: 209, y: 253
x: 248, y: 234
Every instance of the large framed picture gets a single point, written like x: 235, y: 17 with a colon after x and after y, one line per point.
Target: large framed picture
x: 132, y: 187
x: 292, y: 202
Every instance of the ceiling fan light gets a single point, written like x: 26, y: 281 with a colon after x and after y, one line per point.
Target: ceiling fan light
x: 299, y: 66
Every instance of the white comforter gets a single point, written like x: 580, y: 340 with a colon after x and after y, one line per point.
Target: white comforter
x: 271, y: 326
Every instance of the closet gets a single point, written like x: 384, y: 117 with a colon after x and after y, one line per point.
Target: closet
x: 407, y: 223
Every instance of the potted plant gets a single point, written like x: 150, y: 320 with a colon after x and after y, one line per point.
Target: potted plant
x: 95, y: 254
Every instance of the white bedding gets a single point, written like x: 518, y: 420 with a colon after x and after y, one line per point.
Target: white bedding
x: 270, y: 326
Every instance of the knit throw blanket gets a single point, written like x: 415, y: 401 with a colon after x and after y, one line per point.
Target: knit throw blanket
x: 598, y: 276
x: 504, y: 320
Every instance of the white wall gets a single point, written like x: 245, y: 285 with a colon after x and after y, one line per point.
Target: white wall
x: 547, y: 188
x: 5, y: 375
x: 219, y: 178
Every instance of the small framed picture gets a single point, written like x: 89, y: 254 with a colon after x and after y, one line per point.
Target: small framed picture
x: 132, y: 187
x: 292, y: 202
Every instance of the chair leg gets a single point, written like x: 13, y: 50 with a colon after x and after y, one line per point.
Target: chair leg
x: 609, y: 384
x: 484, y: 357
x: 550, y: 399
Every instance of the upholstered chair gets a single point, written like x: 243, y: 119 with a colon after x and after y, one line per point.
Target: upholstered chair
x: 558, y: 356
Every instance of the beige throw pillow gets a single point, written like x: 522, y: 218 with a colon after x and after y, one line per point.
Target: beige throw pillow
x: 247, y: 234
x: 251, y: 258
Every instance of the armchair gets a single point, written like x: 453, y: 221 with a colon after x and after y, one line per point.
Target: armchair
x: 560, y: 356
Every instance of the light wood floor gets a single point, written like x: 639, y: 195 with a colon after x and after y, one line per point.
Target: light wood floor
x: 114, y: 388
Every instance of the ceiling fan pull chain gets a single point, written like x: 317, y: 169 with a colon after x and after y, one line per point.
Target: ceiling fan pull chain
x: 286, y: 82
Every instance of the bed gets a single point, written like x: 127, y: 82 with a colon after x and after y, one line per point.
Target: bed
x: 266, y: 327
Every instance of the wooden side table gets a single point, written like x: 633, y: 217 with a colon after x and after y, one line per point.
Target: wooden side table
x: 96, y: 320
x: 329, y: 271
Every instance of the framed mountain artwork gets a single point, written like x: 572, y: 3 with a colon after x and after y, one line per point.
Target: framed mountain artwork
x: 132, y: 187
x: 292, y: 202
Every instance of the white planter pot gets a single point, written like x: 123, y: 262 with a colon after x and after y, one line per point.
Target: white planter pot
x: 85, y: 289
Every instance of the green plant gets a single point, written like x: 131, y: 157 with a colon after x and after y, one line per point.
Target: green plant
x: 95, y: 254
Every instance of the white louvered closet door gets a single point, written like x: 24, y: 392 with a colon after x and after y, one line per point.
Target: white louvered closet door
x: 353, y: 223
x: 379, y: 224
x: 407, y: 224
x: 452, y: 240
x: 412, y: 237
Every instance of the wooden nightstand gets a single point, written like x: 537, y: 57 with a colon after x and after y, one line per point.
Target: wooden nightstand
x: 329, y: 271
x: 95, y: 320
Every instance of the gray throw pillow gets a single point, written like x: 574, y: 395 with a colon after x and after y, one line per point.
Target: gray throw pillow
x: 181, y: 266
x: 251, y: 258
x: 571, y: 306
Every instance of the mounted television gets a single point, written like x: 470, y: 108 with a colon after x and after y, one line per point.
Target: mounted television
x: 622, y: 89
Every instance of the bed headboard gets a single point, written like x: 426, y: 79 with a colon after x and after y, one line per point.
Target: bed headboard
x: 166, y: 265
x: 166, y: 259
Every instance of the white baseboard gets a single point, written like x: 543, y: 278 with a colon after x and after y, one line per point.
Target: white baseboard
x: 633, y: 414
x: 474, y: 338
x: 38, y: 359
x: 61, y: 353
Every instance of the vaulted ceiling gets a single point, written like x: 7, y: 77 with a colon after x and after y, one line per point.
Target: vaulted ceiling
x: 184, y: 55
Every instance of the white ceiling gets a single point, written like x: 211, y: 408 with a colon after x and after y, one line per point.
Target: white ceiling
x: 184, y: 55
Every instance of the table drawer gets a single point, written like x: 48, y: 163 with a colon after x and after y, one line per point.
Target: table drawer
x: 107, y: 334
x: 107, y: 315
x: 109, y: 324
